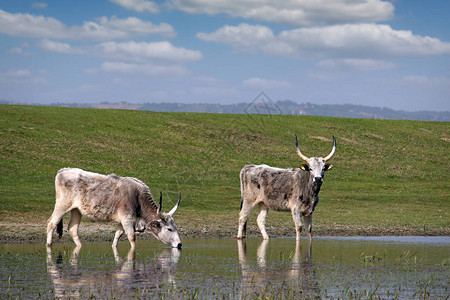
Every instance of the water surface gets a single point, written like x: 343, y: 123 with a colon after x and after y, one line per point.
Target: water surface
x: 387, y: 267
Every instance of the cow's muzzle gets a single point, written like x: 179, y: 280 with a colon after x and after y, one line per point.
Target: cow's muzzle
x: 318, y: 179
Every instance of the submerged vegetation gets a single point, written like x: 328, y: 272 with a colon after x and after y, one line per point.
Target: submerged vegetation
x: 390, y: 176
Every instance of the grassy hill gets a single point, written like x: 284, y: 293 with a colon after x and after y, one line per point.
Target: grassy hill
x: 390, y: 176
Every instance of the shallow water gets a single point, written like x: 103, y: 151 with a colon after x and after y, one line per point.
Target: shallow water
x: 387, y: 267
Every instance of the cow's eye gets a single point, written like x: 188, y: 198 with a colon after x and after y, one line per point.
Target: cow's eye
x: 170, y: 229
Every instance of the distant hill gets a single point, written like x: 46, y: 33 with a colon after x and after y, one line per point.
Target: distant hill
x: 288, y: 107
x: 263, y: 105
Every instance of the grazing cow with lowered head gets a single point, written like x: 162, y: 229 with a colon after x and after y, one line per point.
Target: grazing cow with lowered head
x: 295, y: 190
x: 125, y: 200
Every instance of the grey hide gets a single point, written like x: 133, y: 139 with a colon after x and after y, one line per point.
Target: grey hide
x: 109, y: 198
x: 296, y: 190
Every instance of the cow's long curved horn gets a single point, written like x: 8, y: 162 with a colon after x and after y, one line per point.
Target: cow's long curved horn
x: 332, y: 151
x: 176, y: 206
x: 305, y: 158
x: 160, y: 202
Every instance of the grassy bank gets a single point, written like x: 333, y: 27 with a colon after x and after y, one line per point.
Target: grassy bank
x: 390, y: 177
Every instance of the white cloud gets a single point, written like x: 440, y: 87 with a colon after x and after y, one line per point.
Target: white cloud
x: 86, y: 87
x: 18, y: 51
x: 262, y: 83
x: 39, y: 5
x: 210, y: 80
x: 362, y: 40
x: 26, y: 25
x: 142, y: 51
x: 335, y: 69
x: 147, y: 69
x: 328, y: 63
x: 368, y: 64
x: 242, y: 37
x: 20, y: 73
x: 21, y: 76
x: 42, y: 72
x: 138, y: 5
x: 94, y: 31
x: 356, y: 64
x: 115, y: 28
x: 293, y: 12
x: 59, y: 47
x: 349, y: 40
x: 135, y: 25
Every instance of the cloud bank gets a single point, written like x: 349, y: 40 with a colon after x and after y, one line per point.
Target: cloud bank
x: 293, y: 12
x: 141, y: 51
x: 26, y: 25
x: 347, y: 40
x: 138, y: 5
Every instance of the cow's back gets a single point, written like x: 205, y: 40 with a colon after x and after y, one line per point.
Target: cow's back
x: 273, y: 186
x: 97, y: 196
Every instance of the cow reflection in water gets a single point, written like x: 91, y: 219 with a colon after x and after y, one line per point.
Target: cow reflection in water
x: 123, y: 280
x: 296, y: 275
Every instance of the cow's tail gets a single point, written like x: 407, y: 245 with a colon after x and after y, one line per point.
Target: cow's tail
x: 241, y: 175
x: 242, y: 197
x: 59, y: 228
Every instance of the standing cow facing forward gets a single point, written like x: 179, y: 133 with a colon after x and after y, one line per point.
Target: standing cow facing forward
x: 125, y: 200
x: 295, y: 190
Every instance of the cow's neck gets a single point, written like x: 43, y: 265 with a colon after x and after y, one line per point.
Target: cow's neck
x: 315, y: 185
x: 149, y: 210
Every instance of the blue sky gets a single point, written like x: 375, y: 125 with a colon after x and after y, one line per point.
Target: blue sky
x: 392, y: 54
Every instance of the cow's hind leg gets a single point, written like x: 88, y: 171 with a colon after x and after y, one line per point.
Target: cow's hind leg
x: 52, y: 222
x: 298, y: 222
x: 243, y: 216
x: 261, y: 220
x: 75, y: 218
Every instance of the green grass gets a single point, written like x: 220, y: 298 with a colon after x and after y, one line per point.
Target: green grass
x: 388, y: 174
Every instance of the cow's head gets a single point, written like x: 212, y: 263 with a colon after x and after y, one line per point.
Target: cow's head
x: 164, y: 227
x: 316, y: 165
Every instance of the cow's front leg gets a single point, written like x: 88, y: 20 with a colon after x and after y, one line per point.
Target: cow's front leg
x: 117, y: 236
x: 261, y: 220
x: 129, y: 230
x: 308, y: 226
x: 296, y: 215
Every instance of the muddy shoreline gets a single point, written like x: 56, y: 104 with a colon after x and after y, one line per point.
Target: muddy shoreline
x: 23, y: 233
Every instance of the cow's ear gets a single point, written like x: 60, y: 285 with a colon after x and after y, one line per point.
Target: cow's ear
x: 304, y: 167
x: 328, y: 167
x: 155, y: 224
